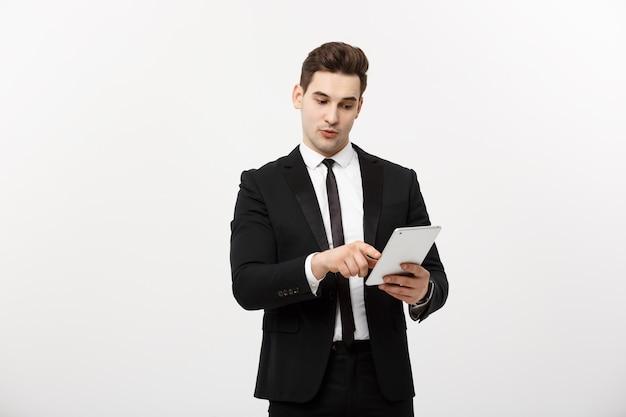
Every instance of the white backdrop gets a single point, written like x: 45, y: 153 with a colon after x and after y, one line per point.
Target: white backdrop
x: 124, y: 126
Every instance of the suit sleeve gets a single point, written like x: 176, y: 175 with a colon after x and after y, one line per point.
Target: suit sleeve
x: 259, y: 279
x: 418, y: 215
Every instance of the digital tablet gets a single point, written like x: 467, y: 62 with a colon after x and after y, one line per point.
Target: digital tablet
x: 406, y: 244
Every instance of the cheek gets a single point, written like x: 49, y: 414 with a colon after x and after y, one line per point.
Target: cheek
x: 348, y: 124
x: 311, y: 118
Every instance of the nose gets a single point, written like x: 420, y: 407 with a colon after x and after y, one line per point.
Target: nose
x: 331, y: 116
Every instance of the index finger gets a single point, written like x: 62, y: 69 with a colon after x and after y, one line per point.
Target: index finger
x: 370, y: 251
x: 414, y: 269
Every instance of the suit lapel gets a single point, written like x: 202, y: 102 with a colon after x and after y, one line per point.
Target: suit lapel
x: 300, y: 183
x: 372, y: 178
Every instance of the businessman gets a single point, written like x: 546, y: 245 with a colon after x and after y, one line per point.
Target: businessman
x: 307, y: 229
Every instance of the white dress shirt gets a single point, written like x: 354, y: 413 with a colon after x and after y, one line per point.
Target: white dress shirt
x: 348, y: 174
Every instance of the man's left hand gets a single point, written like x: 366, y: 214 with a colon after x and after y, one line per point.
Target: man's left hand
x: 409, y: 288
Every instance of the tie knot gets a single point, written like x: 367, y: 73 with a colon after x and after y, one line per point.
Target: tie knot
x: 329, y: 162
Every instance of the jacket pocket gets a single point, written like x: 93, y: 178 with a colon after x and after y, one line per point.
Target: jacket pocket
x: 283, y: 323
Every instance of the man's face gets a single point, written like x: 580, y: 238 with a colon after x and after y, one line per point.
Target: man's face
x: 328, y: 108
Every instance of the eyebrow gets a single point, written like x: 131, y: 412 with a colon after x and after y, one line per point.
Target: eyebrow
x: 351, y: 98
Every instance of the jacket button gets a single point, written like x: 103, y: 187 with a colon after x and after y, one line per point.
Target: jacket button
x: 296, y: 290
x: 291, y: 291
x: 280, y: 293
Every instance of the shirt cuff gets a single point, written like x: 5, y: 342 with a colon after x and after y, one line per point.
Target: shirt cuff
x: 415, y: 310
x: 314, y: 283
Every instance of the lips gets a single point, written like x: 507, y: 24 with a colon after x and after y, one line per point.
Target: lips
x: 329, y: 133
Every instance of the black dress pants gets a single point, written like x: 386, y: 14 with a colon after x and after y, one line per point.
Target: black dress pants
x: 349, y: 389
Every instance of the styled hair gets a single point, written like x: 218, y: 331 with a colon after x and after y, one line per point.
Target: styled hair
x: 336, y: 57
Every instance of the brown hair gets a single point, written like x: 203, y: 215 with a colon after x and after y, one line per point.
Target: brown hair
x: 337, y: 57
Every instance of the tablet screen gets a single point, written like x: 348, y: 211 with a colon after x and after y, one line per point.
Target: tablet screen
x: 406, y: 244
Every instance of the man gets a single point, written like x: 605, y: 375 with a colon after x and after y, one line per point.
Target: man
x: 323, y: 353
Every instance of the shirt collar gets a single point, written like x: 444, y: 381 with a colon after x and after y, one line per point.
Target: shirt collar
x: 313, y: 159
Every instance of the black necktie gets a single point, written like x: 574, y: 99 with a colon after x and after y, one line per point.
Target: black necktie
x: 343, y: 284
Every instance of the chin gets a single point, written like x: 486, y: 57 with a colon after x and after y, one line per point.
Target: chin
x: 332, y: 145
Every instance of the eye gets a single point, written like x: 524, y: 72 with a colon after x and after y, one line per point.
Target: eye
x: 319, y: 101
x: 347, y: 106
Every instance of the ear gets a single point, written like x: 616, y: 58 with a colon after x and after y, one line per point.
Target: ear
x: 358, y: 109
x: 296, y: 96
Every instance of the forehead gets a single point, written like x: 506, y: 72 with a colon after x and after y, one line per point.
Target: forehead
x: 335, y: 85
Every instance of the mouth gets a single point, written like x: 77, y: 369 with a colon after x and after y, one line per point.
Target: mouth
x: 329, y: 133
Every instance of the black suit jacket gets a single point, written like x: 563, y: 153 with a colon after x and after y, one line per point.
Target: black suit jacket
x: 277, y: 223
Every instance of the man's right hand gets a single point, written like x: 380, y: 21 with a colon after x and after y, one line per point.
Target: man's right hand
x: 353, y: 259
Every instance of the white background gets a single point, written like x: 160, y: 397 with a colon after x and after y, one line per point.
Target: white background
x: 124, y: 126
